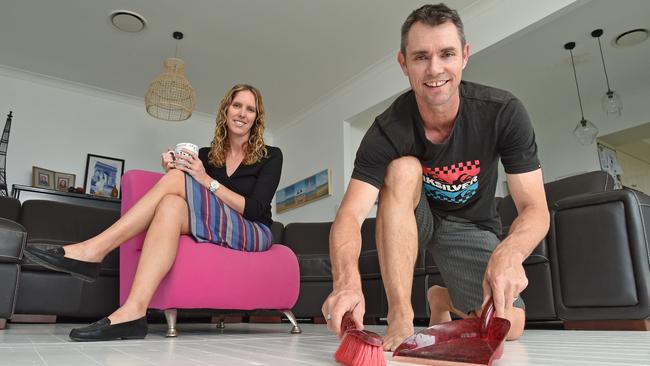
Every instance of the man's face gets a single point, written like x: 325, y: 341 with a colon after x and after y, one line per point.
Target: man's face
x: 434, y: 62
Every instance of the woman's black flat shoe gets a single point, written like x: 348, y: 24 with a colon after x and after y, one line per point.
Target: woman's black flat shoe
x: 55, y: 259
x: 102, y: 330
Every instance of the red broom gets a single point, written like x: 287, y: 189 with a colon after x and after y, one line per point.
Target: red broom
x: 359, y: 347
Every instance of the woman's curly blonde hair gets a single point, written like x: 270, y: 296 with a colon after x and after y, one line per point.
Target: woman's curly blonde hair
x: 255, y: 149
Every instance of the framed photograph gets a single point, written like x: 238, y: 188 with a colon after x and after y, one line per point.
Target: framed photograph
x: 42, y: 178
x: 63, y: 181
x: 103, y: 176
x: 303, y: 192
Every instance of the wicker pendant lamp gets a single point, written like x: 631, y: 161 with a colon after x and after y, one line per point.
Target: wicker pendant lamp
x: 170, y: 96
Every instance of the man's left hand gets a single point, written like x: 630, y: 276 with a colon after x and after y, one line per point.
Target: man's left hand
x: 504, y: 279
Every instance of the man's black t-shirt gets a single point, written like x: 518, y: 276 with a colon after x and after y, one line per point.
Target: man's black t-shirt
x: 460, y: 174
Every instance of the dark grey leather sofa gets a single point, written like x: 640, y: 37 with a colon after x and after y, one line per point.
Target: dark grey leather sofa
x: 12, y: 243
x: 310, y: 242
x: 41, y: 291
x: 556, y: 290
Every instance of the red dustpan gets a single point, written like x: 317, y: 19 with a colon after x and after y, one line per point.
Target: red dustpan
x: 459, y: 342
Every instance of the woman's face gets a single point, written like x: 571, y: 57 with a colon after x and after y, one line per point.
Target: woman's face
x: 241, y: 114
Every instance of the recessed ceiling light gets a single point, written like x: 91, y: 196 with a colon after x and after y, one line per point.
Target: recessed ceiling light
x: 127, y: 21
x: 630, y: 38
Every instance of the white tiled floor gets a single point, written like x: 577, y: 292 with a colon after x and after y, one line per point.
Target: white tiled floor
x: 271, y: 344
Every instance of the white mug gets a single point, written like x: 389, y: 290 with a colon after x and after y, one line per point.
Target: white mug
x: 187, y: 146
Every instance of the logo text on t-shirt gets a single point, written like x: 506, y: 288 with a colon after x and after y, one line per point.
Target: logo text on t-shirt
x: 456, y: 183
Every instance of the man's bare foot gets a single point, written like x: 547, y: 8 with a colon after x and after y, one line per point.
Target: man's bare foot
x: 439, y: 304
x: 400, y: 327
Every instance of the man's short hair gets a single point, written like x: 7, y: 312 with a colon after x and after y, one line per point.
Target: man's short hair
x: 432, y: 15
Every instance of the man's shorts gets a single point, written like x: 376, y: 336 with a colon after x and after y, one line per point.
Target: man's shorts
x: 461, y: 251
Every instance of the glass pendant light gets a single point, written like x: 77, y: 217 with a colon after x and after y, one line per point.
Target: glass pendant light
x: 586, y: 132
x: 611, y: 101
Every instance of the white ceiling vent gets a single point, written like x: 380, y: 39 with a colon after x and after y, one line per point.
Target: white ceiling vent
x: 630, y: 38
x: 127, y: 21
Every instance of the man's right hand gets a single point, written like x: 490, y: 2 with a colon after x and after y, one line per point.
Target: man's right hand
x: 340, y: 302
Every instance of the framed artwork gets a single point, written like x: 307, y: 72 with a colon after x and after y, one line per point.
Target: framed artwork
x: 303, y: 192
x: 63, y: 181
x: 42, y: 178
x: 609, y: 163
x: 103, y: 176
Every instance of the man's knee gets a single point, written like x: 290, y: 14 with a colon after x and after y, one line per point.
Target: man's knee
x: 405, y: 170
x: 403, y: 175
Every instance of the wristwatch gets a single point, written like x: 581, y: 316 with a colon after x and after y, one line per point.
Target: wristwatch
x: 214, y: 185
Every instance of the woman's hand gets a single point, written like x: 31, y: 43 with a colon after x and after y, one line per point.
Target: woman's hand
x: 168, y: 160
x: 190, y: 163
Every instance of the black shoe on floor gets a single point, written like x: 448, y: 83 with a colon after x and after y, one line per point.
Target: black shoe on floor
x: 102, y: 330
x: 55, y: 259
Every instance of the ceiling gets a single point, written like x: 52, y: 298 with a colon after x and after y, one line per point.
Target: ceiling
x: 295, y: 51
x: 298, y: 51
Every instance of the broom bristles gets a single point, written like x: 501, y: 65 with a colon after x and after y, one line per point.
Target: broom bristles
x: 355, y: 352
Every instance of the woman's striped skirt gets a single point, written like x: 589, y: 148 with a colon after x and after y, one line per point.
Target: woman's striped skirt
x: 211, y: 220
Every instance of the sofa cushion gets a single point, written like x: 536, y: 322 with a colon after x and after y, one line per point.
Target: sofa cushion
x: 277, y: 232
x: 315, y: 267
x: 596, y: 181
x: 9, y: 208
x: 308, y: 237
x: 64, y: 221
x: 12, y: 241
x: 310, y: 243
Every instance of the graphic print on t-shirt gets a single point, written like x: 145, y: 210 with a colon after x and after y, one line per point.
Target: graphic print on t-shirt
x: 454, y: 184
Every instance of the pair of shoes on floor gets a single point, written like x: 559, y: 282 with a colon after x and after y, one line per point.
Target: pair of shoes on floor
x: 102, y: 330
x: 55, y: 259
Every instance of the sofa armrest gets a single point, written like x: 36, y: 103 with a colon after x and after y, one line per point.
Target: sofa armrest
x: 600, y: 258
x: 12, y: 241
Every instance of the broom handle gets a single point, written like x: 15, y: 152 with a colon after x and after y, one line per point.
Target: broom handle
x: 347, y: 323
x: 486, y: 318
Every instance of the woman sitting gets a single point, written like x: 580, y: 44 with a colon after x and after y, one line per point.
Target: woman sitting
x: 221, y: 196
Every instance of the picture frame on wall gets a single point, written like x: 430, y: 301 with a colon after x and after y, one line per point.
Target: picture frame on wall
x: 63, y: 181
x: 42, y: 178
x: 103, y: 176
x: 305, y: 191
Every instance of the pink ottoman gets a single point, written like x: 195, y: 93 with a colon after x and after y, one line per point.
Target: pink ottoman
x: 207, y: 276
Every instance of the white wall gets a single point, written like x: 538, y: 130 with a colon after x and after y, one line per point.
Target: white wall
x: 57, y: 123
x: 317, y: 139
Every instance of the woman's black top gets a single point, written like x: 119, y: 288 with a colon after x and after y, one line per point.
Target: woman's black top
x: 256, y: 182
